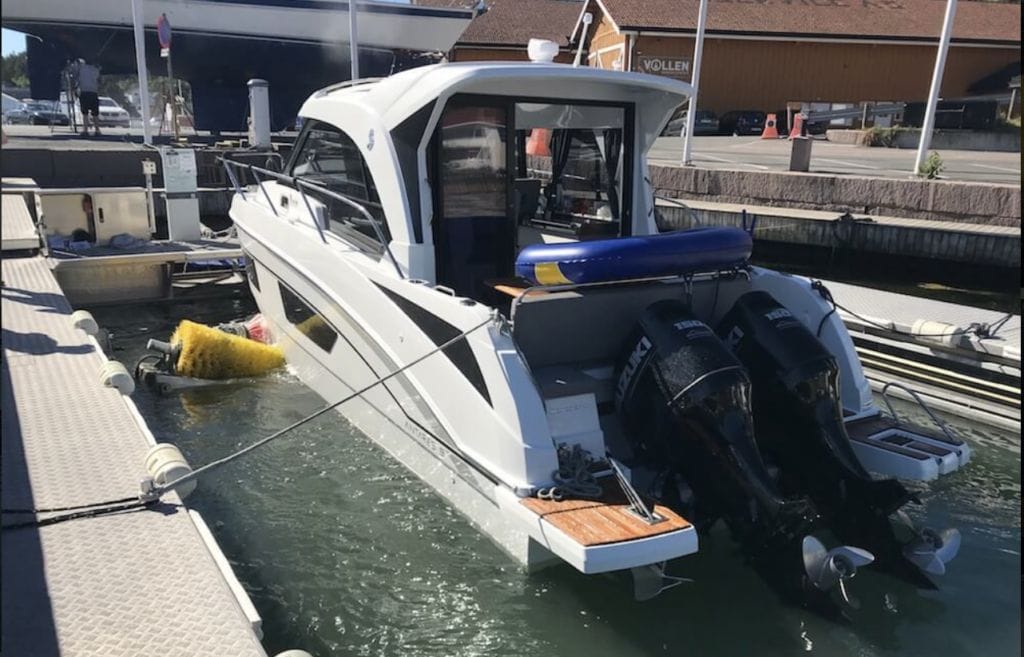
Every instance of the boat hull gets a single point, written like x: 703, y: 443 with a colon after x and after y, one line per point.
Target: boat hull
x: 380, y: 413
x: 399, y: 414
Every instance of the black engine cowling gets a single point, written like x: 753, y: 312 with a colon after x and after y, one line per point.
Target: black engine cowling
x: 685, y: 404
x: 798, y: 411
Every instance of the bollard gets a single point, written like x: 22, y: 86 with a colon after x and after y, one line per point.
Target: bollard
x: 259, y: 113
x: 800, y: 156
x: 83, y: 319
x: 115, y: 375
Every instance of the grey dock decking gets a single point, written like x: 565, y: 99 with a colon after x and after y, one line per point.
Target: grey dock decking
x: 993, y: 402
x: 136, y: 583
x: 18, y: 231
x: 904, y: 310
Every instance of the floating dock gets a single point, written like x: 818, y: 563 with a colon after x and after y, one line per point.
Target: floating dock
x: 18, y: 230
x: 961, y: 360
x: 149, y: 581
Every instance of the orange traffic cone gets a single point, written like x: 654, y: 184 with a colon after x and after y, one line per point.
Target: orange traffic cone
x: 798, y: 125
x: 770, y: 131
x: 537, y: 143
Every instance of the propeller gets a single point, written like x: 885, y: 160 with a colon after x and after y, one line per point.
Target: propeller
x: 651, y: 580
x: 932, y: 550
x: 827, y: 569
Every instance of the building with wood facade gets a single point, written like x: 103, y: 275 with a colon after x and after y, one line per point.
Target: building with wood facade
x: 763, y: 54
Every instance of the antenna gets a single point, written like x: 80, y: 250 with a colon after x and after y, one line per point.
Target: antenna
x: 588, y: 18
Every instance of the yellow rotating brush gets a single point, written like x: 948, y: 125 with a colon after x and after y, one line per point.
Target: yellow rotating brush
x: 208, y: 353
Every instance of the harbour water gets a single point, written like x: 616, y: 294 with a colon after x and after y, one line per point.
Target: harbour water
x: 343, y: 552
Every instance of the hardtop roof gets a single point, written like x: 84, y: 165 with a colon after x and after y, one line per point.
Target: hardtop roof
x: 397, y: 97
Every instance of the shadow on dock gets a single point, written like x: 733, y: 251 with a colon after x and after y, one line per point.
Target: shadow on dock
x: 25, y: 598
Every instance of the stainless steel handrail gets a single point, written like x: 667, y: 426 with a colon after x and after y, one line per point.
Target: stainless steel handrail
x: 916, y: 397
x: 301, y: 185
x: 676, y: 203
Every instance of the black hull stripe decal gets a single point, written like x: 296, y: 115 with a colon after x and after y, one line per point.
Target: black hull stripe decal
x: 455, y: 451
x: 439, y: 332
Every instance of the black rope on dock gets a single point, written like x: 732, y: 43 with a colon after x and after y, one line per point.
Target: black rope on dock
x: 980, y: 329
x: 136, y: 503
x: 75, y: 507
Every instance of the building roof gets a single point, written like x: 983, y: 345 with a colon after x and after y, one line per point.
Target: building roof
x: 515, y: 22
x: 890, y: 20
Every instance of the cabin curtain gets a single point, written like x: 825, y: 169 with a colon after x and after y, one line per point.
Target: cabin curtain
x: 612, y: 148
x: 561, y: 141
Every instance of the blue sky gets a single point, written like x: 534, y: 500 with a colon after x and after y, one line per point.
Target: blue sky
x: 13, y: 42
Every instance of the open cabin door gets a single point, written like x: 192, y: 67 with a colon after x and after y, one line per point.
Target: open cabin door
x: 510, y: 169
x: 474, y: 231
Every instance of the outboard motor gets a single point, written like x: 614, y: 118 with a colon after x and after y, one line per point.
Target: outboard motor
x: 799, y: 416
x: 800, y: 426
x: 685, y: 404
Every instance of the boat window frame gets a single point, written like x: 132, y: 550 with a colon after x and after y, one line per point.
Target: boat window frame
x: 316, y: 338
x: 367, y: 244
x: 629, y: 147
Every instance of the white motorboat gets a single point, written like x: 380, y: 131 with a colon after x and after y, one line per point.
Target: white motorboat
x: 587, y: 397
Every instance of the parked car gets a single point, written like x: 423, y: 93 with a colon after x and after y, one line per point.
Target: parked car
x: 37, y: 112
x: 10, y: 103
x: 741, y: 122
x: 705, y: 123
x: 112, y: 114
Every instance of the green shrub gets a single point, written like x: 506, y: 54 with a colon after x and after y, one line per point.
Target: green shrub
x: 885, y: 136
x: 932, y: 167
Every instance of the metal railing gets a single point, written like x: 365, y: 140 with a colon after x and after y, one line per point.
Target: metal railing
x: 302, y: 185
x: 677, y: 205
x: 917, y: 398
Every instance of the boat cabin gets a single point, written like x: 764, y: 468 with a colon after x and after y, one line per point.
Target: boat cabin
x: 464, y: 165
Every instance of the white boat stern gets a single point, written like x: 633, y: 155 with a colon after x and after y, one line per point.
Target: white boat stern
x: 582, y: 545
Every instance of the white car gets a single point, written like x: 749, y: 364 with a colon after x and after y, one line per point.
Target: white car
x: 112, y: 114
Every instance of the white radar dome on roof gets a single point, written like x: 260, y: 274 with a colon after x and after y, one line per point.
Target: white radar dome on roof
x: 542, y: 50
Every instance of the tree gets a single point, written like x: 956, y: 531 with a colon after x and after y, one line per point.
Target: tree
x: 15, y: 69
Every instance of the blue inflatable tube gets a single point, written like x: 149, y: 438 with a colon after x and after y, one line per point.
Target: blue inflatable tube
x: 623, y: 258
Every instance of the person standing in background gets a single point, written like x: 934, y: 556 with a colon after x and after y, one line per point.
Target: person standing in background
x: 88, y: 96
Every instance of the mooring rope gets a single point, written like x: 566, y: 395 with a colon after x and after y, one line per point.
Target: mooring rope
x: 573, y: 477
x: 136, y: 503
x: 980, y: 329
x: 151, y: 496
x: 159, y: 491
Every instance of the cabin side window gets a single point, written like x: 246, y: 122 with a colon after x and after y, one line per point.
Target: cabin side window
x: 306, y: 320
x: 330, y: 158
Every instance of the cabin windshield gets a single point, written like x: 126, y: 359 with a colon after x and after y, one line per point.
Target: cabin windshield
x: 513, y: 170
